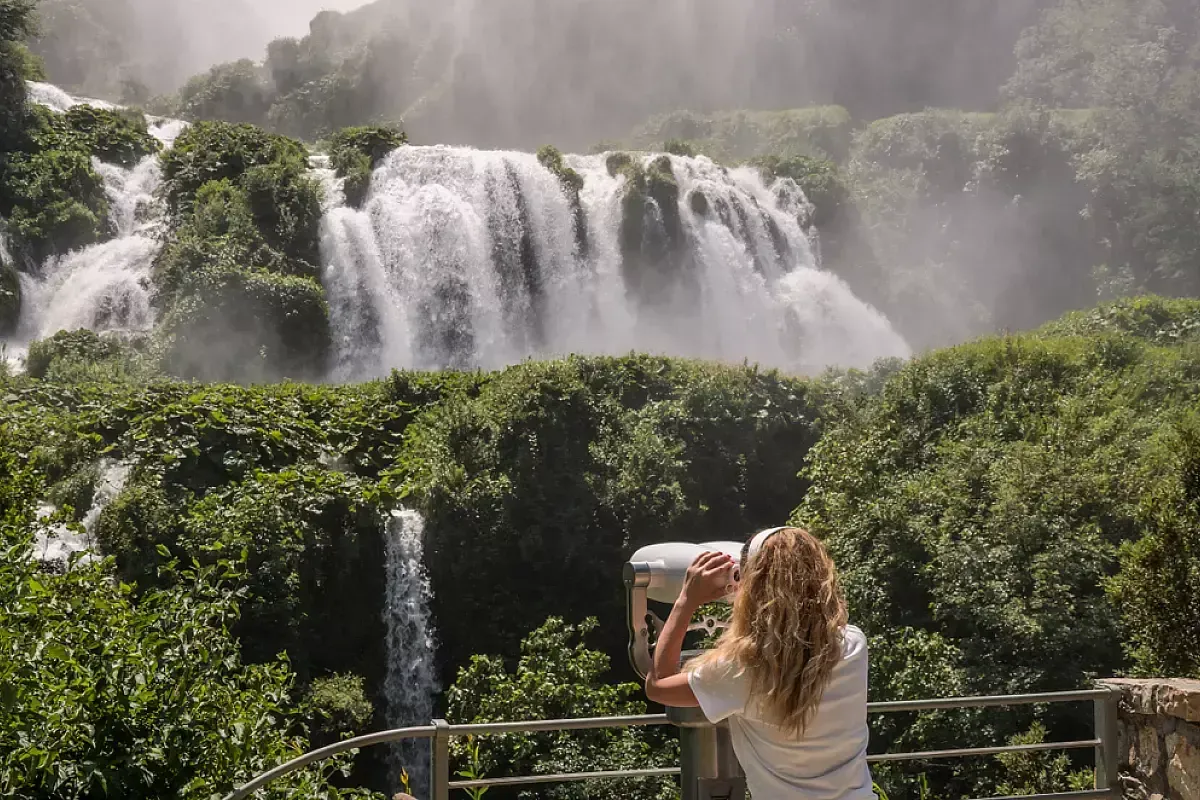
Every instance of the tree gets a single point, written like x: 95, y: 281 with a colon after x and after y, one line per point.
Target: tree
x: 104, y: 693
x: 557, y: 677
x: 16, y: 22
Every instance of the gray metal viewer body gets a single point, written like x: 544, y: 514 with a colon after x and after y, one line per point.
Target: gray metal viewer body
x: 709, y: 769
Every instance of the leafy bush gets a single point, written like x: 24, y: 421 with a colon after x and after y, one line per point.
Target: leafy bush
x: 52, y: 198
x: 214, y: 151
x: 10, y: 298
x: 118, y: 137
x: 560, y: 469
x: 986, y: 495
x: 355, y: 152
x: 1158, y: 587
x: 83, y: 355
x: 337, y: 707
x: 241, y: 268
x: 144, y: 696
x: 557, y: 677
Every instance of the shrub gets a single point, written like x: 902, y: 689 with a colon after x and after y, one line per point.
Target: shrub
x: 75, y: 348
x: 337, y: 707
x: 109, y: 693
x: 52, y: 198
x: 557, y: 676
x: 118, y: 137
x: 213, y: 151
x: 248, y: 326
x: 559, y: 469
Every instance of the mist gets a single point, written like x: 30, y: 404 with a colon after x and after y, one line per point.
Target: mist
x: 94, y: 46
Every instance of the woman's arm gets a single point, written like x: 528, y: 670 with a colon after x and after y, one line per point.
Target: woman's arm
x: 707, y: 580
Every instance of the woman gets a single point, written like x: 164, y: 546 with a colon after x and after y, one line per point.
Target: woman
x: 788, y: 674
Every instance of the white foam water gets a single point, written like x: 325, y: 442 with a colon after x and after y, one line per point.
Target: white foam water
x: 463, y: 258
x: 103, y: 287
x: 411, y: 680
x: 56, y: 545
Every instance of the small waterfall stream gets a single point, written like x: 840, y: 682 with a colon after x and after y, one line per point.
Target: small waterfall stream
x: 411, y: 679
x: 106, y: 286
x: 54, y: 546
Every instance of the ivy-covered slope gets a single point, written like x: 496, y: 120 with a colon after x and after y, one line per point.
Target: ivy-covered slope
x: 1019, y: 514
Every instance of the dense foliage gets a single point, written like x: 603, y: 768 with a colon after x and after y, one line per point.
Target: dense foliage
x: 557, y: 677
x: 982, y: 502
x: 354, y: 153
x: 50, y: 192
x: 556, y: 470
x: 111, y: 693
x: 238, y: 280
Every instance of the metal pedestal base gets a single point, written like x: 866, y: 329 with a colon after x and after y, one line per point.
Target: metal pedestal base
x: 710, y: 770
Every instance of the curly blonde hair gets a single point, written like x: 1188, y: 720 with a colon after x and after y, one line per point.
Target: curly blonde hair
x: 786, y: 632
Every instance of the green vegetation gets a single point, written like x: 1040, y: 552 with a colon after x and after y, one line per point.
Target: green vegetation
x: 818, y: 132
x: 83, y: 356
x: 557, y: 676
x: 107, y: 691
x: 983, y: 500
x: 355, y: 153
x: 10, y: 297
x: 559, y: 469
x: 241, y: 266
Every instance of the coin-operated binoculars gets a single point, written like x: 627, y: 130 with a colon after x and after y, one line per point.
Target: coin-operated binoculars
x: 710, y: 769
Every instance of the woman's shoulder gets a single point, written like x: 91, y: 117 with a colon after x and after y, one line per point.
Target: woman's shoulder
x: 854, y: 641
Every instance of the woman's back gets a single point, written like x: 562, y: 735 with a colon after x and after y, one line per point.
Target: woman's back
x: 827, y: 761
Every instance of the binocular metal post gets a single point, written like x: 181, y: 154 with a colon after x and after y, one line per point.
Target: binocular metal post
x: 709, y: 767
x: 710, y: 770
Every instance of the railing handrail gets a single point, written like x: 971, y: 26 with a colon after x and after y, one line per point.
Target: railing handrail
x: 440, y: 732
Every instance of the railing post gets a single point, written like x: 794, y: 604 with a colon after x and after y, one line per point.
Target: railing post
x: 439, y: 757
x: 1106, y: 709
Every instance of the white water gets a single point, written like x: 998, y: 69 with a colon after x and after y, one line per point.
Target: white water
x: 104, y: 287
x: 411, y: 681
x: 54, y: 545
x: 432, y: 272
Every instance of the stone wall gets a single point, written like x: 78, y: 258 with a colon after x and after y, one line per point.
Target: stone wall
x: 1158, y: 735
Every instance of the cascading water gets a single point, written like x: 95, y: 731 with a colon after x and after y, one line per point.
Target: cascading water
x: 55, y: 545
x: 104, y: 287
x: 467, y: 258
x: 411, y: 680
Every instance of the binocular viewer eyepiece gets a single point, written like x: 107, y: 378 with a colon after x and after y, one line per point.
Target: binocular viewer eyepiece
x: 662, y: 568
x: 657, y: 572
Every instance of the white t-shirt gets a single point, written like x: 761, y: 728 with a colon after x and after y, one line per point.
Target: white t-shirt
x: 829, y: 762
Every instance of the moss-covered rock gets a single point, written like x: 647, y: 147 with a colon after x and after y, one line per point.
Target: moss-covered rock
x: 654, y: 250
x: 572, y: 182
x: 355, y: 153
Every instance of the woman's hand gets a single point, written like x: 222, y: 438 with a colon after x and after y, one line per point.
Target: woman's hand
x: 708, y: 579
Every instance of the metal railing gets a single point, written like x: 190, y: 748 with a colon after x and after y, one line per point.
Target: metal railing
x: 1104, y: 743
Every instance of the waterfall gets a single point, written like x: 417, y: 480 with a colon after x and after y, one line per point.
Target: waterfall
x: 106, y: 286
x: 411, y: 680
x: 55, y: 545
x: 466, y: 258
